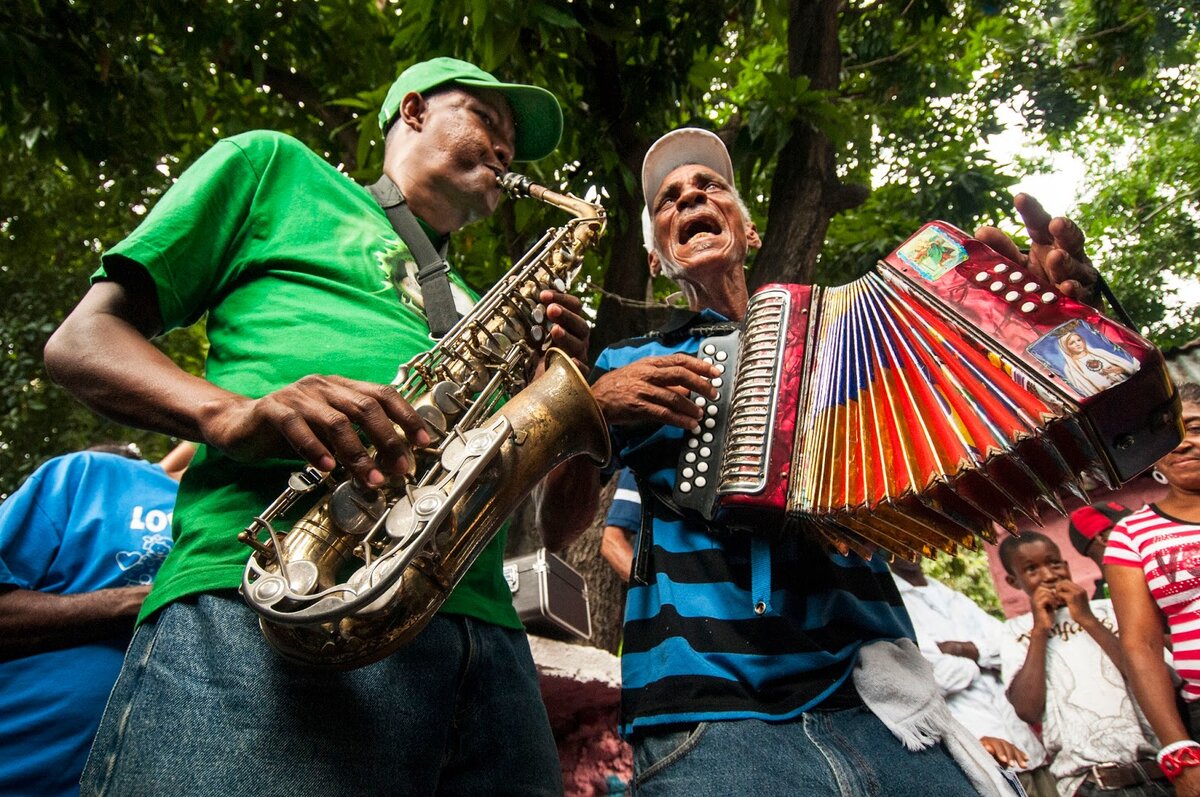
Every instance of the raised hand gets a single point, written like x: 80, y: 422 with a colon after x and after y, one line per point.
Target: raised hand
x: 1045, y: 602
x: 1076, y: 599
x: 1056, y: 252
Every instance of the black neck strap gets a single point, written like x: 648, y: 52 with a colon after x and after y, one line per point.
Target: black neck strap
x: 433, y: 273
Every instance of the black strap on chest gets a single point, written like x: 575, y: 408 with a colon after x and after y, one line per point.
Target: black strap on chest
x: 433, y: 273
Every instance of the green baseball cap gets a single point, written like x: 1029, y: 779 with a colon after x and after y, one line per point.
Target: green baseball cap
x: 536, y: 113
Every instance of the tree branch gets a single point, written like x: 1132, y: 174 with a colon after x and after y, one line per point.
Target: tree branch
x: 1124, y: 26
x: 298, y: 90
x: 885, y: 59
x: 1164, y: 206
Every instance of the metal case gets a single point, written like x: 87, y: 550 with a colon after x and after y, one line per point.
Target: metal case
x: 550, y: 596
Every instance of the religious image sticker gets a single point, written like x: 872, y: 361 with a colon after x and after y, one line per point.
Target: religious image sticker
x: 932, y: 252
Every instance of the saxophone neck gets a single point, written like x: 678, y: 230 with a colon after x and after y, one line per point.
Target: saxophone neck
x: 518, y: 185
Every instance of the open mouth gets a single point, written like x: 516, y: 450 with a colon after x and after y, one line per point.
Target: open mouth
x: 698, y: 226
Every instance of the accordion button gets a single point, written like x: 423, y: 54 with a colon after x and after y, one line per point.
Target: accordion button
x: 1030, y: 287
x: 1048, y: 297
x: 999, y: 268
x: 717, y: 381
x: 709, y: 348
x: 701, y: 481
x: 707, y: 437
x: 1028, y: 307
x: 997, y: 286
x: 1012, y: 296
x: 685, y: 487
x: 982, y: 276
x: 689, y: 456
x: 710, y: 423
x: 711, y: 409
x: 1015, y: 277
x: 702, y: 467
x: 708, y: 360
x: 693, y: 442
x: 706, y: 452
x: 701, y: 401
x: 722, y: 356
x: 720, y: 368
x: 688, y: 473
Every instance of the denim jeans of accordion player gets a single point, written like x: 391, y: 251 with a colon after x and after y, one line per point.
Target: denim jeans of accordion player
x: 847, y: 753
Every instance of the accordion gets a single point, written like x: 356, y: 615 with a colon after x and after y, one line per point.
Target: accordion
x: 945, y: 391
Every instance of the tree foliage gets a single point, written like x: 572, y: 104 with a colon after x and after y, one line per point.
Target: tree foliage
x: 850, y: 123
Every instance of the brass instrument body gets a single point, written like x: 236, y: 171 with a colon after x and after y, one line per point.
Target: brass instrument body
x: 408, y: 544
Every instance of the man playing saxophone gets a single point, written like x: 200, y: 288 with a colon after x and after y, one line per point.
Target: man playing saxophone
x: 300, y: 273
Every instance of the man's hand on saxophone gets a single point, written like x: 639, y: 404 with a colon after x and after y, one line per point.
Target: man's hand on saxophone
x: 320, y: 418
x: 569, y: 331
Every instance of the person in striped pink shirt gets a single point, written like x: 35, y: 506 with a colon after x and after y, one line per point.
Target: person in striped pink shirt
x: 1152, y: 564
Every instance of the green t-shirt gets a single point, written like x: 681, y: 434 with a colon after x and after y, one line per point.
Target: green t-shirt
x: 292, y: 261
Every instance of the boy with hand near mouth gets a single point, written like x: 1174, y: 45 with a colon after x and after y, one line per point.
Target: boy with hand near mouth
x: 1063, y: 668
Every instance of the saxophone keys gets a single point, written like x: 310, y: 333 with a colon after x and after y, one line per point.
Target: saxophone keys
x: 356, y: 510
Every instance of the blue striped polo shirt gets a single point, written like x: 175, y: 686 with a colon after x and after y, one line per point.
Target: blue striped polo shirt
x: 696, y: 649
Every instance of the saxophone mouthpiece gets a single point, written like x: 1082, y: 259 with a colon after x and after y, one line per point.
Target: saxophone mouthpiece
x: 516, y: 185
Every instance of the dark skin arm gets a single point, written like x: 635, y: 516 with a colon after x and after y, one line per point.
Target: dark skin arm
x: 617, y: 551
x: 966, y: 650
x: 1027, y: 692
x: 1142, y: 642
x: 103, y: 355
x: 35, y: 622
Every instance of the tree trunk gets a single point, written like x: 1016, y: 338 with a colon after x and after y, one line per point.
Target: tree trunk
x: 805, y: 191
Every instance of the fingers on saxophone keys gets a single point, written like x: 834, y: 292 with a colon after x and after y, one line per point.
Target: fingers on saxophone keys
x: 375, y: 410
x: 296, y: 431
x: 569, y: 330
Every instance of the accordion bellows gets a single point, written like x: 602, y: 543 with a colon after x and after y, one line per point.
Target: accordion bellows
x: 944, y: 392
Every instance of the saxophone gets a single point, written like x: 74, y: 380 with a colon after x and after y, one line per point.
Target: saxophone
x: 363, y: 571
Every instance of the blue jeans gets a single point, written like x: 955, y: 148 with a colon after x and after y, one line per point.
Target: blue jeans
x: 847, y: 753
x: 205, y: 707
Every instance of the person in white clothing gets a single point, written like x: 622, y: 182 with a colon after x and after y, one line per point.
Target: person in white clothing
x: 1063, y: 668
x: 962, y: 643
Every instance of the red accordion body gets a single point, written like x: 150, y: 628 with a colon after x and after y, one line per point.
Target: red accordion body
x: 944, y: 391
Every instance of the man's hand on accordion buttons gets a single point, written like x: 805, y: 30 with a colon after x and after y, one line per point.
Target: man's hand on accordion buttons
x: 569, y: 330
x: 319, y: 418
x: 1056, y: 253
x: 656, y: 390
